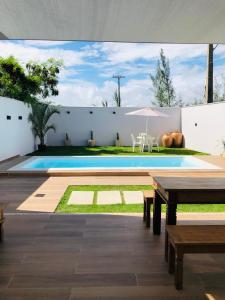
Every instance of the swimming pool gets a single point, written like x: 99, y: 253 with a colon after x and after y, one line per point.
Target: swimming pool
x: 45, y: 163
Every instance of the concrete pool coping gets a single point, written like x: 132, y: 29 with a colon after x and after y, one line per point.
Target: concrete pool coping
x: 218, y: 161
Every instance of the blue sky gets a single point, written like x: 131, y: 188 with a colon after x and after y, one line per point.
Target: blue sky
x: 86, y: 79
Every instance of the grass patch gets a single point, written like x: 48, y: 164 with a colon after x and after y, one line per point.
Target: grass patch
x: 124, y: 208
x: 110, y: 150
x: 115, y: 208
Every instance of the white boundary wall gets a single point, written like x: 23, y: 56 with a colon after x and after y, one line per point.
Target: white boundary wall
x: 203, y: 127
x: 16, y: 137
x: 106, y: 122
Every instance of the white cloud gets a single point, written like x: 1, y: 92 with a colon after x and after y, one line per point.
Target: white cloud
x: 67, y: 74
x: 84, y: 93
x: 137, y: 93
x: 122, y: 52
x: 27, y: 53
x: 107, y: 59
x: 189, y: 83
x: 44, y: 44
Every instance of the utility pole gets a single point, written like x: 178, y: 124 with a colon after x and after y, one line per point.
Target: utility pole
x: 209, y: 76
x: 118, y: 77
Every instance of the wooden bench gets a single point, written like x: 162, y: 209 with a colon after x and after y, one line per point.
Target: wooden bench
x: 148, y: 200
x: 1, y: 223
x: 192, y: 239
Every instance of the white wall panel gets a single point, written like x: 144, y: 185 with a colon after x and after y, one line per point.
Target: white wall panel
x: 79, y: 122
x: 16, y: 137
x: 203, y: 127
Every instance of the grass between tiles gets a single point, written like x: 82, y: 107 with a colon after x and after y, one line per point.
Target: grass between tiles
x: 63, y: 207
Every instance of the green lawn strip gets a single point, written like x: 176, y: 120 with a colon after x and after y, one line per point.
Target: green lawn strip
x: 111, y: 150
x: 122, y: 197
x: 122, y: 208
x: 64, y: 207
x: 95, y: 197
x: 204, y: 208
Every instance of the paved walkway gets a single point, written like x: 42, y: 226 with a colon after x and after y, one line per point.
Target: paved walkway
x: 81, y: 198
x: 42, y: 194
x: 105, y: 197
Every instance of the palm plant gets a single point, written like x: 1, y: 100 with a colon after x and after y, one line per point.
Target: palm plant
x: 104, y: 103
x: 39, y: 117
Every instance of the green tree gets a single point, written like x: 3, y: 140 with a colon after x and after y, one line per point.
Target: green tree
x: 116, y: 99
x: 162, y: 83
x: 194, y: 102
x: 219, y: 90
x: 39, y: 117
x: 29, y: 83
x: 14, y: 83
x: 47, y: 74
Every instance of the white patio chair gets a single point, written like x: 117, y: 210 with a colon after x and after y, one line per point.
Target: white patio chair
x: 137, y: 142
x: 153, y: 142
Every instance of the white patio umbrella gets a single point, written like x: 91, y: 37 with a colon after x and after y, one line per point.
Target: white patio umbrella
x: 147, y: 112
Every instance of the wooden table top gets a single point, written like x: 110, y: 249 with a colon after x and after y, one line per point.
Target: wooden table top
x: 190, y: 183
x: 197, y: 234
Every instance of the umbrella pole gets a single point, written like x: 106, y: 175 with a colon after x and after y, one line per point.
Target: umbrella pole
x: 146, y: 126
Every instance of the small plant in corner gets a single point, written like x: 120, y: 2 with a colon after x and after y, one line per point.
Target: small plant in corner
x: 91, y: 142
x: 39, y: 117
x: 117, y: 143
x: 67, y: 141
x: 92, y: 135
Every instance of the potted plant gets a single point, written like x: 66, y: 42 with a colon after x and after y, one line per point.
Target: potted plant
x: 91, y: 141
x: 67, y: 141
x: 118, y: 142
x: 39, y: 117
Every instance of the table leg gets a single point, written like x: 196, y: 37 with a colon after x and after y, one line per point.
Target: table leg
x: 157, y: 214
x: 179, y: 269
x: 171, y: 219
x: 1, y: 224
x: 171, y: 260
x: 148, y: 213
x: 144, y: 211
x: 1, y: 233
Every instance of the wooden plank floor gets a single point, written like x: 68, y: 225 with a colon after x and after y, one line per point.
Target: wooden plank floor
x: 90, y: 257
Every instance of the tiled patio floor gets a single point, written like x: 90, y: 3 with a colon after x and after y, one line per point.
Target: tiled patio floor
x: 42, y: 194
x: 92, y: 257
x: 81, y: 198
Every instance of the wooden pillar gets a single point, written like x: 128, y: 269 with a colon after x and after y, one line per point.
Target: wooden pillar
x: 209, y: 76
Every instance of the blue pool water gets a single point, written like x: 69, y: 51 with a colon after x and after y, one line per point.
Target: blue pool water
x: 112, y: 162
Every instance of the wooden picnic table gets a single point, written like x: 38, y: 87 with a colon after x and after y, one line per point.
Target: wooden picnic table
x: 183, y: 190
